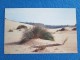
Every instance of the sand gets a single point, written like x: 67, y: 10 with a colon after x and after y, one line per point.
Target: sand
x: 70, y: 45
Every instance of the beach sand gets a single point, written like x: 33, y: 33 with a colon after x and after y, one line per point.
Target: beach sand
x: 70, y: 45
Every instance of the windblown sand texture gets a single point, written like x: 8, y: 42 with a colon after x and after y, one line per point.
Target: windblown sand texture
x: 70, y: 45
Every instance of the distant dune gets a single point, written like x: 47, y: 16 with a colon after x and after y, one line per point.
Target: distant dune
x: 70, y: 45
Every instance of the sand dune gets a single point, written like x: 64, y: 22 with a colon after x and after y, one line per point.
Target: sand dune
x: 70, y: 45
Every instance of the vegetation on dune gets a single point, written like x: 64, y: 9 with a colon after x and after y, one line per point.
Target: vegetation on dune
x: 21, y: 26
x: 36, y: 32
x: 28, y: 35
x: 74, y: 28
x: 47, y: 36
x: 10, y: 30
x: 62, y: 29
x: 42, y: 33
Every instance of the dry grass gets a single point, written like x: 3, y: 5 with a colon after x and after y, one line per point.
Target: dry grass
x: 36, y: 32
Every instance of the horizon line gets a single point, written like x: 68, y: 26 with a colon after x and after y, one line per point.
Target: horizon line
x: 35, y: 22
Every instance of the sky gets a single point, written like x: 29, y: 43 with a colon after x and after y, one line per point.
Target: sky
x: 47, y: 16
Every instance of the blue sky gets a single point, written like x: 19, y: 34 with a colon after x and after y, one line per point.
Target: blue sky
x: 48, y: 16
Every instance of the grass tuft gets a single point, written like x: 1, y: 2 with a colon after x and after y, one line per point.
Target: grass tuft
x: 36, y: 32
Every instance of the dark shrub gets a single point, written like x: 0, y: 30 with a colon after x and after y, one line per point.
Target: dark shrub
x: 62, y: 29
x: 10, y: 30
x: 74, y: 29
x: 46, y: 35
x: 28, y: 35
x: 21, y: 26
x: 42, y: 33
x: 36, y: 32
